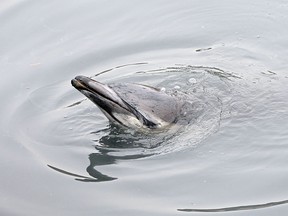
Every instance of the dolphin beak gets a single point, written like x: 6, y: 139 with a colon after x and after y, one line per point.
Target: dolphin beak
x: 96, y: 91
x: 103, y: 96
x: 82, y: 83
x: 78, y: 82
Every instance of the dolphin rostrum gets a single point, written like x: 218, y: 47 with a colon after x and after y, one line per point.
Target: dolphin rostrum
x: 131, y: 105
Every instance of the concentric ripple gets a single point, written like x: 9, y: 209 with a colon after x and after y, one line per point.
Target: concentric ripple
x: 61, y: 118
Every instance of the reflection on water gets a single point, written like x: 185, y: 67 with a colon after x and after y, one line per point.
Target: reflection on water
x: 99, y: 159
x: 110, y: 151
x: 237, y: 208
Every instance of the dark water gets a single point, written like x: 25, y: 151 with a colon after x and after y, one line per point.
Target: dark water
x: 59, y: 154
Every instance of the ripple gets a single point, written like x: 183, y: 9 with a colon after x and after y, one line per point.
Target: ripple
x: 238, y: 208
x: 60, y: 117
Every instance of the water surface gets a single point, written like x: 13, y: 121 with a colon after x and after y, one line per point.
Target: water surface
x: 61, y: 156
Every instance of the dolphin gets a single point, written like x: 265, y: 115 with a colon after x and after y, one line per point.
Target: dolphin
x: 131, y: 105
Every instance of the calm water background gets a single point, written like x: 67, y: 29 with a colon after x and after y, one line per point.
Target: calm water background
x: 60, y: 157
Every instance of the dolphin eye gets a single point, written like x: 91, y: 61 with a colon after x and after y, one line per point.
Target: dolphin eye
x: 149, y: 124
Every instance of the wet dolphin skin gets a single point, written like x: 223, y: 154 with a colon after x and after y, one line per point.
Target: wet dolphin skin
x: 129, y: 104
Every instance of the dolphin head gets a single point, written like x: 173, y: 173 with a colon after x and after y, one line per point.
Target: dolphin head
x: 131, y: 105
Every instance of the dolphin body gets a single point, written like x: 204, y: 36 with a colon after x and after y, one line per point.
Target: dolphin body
x: 131, y: 105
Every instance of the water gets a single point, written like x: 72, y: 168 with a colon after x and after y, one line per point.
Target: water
x: 59, y: 154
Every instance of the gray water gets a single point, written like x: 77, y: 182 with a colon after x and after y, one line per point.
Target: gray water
x: 60, y: 156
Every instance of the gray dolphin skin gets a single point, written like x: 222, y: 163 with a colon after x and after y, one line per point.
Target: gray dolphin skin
x: 131, y: 105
